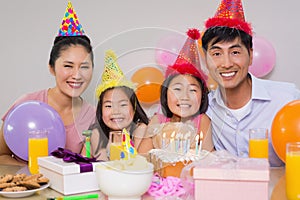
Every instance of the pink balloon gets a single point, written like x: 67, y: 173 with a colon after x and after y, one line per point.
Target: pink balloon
x: 264, y: 57
x: 168, y: 49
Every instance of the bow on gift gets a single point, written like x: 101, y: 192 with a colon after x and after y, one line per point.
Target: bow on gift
x: 69, y: 156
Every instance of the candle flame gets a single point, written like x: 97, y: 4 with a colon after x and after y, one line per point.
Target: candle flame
x: 197, y: 137
x: 173, y: 134
x: 201, y: 135
x: 164, y: 135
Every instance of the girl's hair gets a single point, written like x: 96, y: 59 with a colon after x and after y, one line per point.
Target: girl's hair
x: 226, y: 34
x: 164, y: 97
x: 62, y: 43
x: 139, y: 114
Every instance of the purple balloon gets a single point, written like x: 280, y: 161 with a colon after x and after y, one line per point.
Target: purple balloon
x: 30, y: 116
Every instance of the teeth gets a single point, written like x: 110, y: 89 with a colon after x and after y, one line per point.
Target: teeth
x: 75, y: 84
x: 228, y: 74
x: 117, y: 120
x: 184, y: 105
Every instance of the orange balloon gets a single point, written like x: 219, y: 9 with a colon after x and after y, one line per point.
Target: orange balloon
x: 149, y: 80
x: 286, y: 127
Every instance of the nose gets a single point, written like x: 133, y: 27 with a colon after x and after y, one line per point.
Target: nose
x: 227, y: 62
x: 76, y: 73
x: 184, y: 95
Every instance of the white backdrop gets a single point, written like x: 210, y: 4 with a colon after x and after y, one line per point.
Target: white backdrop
x: 131, y: 28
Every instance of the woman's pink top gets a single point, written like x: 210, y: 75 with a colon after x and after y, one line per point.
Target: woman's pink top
x: 74, y: 138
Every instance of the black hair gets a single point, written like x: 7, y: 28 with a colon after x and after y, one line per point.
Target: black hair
x: 223, y: 33
x: 139, y: 114
x: 164, y: 97
x: 61, y: 43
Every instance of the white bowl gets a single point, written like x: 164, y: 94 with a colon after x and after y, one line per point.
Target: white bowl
x: 120, y: 185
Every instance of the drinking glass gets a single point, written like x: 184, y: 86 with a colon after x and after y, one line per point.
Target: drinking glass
x: 37, y: 147
x: 258, y: 143
x: 292, y: 172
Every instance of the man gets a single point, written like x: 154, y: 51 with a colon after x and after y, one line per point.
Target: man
x: 241, y: 100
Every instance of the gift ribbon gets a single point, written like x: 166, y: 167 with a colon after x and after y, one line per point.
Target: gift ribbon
x: 69, y: 156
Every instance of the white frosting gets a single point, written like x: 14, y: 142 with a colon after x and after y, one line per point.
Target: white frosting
x: 174, y: 157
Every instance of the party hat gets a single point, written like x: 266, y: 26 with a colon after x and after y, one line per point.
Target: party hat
x: 112, y: 75
x: 70, y: 25
x: 128, y: 144
x: 188, y: 60
x: 230, y: 13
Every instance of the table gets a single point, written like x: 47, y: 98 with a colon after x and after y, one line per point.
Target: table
x: 276, y: 186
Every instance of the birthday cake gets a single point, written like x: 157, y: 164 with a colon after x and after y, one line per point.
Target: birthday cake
x: 169, y: 163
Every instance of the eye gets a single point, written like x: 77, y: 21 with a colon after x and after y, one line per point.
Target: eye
x: 107, y: 106
x: 177, y: 88
x: 68, y: 66
x: 85, y: 67
x: 124, y: 104
x: 236, y: 52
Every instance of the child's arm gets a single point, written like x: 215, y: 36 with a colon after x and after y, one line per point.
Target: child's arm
x: 145, y: 143
x: 97, y: 149
x: 205, y: 127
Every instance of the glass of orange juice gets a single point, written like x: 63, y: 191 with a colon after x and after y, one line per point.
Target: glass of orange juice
x: 258, y: 143
x: 37, y: 147
x: 292, y: 172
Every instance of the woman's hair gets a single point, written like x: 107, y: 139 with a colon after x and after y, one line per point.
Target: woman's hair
x: 62, y: 43
x: 139, y: 114
x: 164, y: 97
x: 226, y: 34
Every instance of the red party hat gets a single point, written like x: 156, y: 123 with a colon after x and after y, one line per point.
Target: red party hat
x: 230, y: 13
x: 188, y: 60
x: 70, y: 25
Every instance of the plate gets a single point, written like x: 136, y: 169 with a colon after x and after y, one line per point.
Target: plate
x: 23, y: 193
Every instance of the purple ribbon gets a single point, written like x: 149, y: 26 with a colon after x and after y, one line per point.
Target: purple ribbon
x: 69, y: 156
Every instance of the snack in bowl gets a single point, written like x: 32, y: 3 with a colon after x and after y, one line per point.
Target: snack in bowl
x: 21, y: 182
x: 124, y: 179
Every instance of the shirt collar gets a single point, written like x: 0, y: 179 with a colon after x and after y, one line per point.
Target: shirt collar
x: 258, y: 91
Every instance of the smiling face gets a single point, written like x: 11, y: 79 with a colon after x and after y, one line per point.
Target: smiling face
x: 228, y: 63
x: 73, y: 71
x: 184, y: 96
x: 117, y: 110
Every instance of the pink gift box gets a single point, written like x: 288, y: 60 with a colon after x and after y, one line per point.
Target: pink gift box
x: 231, y: 178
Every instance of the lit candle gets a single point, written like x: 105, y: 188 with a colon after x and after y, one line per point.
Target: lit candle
x: 197, y: 144
x: 181, y: 148
x: 201, y: 138
x: 163, y: 142
x: 177, y: 142
x: 172, y: 144
x: 187, y: 142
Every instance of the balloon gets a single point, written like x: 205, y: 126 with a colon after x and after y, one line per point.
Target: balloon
x: 264, y: 57
x: 168, y: 49
x: 29, y: 116
x: 211, y: 83
x: 149, y: 80
x: 286, y: 127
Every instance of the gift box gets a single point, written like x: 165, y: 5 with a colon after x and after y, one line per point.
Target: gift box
x: 219, y: 177
x: 68, y: 177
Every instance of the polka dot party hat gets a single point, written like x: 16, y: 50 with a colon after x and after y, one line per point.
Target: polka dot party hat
x: 128, y: 145
x: 70, y: 25
x: 230, y: 13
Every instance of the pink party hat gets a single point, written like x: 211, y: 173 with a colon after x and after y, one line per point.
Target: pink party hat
x: 70, y: 25
x: 188, y: 60
x: 230, y: 13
